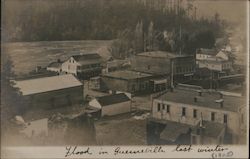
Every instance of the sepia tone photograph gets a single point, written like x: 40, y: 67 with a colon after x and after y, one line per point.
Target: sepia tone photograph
x: 124, y: 72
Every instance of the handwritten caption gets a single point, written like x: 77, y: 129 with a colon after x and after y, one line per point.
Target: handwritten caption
x: 216, y: 151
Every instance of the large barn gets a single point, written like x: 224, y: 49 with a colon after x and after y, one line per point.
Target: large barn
x: 51, y: 92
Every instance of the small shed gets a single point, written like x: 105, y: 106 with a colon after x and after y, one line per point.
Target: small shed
x: 112, y: 104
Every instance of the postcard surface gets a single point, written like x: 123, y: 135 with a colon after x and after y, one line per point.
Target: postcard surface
x: 124, y: 79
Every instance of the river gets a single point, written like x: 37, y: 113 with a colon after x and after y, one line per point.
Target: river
x: 27, y: 55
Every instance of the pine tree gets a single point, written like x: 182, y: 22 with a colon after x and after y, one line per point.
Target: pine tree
x: 12, y: 102
x: 150, y: 36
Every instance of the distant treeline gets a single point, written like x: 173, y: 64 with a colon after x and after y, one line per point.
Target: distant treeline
x: 146, y: 27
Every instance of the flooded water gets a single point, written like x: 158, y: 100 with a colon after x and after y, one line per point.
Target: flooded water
x: 27, y: 55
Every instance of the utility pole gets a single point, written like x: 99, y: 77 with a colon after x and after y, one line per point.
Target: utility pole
x: 180, y: 40
x: 172, y: 74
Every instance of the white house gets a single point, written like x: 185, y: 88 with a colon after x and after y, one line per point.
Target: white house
x: 216, y: 64
x: 203, y: 54
x: 84, y: 65
x: 112, y: 104
x: 213, y: 60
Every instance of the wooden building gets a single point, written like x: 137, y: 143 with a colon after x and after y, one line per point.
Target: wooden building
x: 214, y: 60
x: 84, y: 66
x: 51, y: 92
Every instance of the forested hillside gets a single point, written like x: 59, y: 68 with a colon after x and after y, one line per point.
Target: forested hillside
x: 135, y: 27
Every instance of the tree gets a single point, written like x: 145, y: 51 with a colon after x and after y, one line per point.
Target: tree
x: 11, y: 101
x: 139, y: 37
x: 150, y: 36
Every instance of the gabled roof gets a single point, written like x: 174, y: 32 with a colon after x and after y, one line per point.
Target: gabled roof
x: 112, y: 99
x: 212, y: 52
x: 46, y: 84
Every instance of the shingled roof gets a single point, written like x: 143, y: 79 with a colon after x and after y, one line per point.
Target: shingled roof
x: 113, y: 99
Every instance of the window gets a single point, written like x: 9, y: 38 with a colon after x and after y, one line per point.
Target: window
x: 133, y: 87
x: 242, y: 118
x: 183, y: 112
x: 159, y: 107
x: 195, y: 113
x: 168, y: 108
x: 163, y: 106
x: 212, y: 116
x: 149, y: 67
x: 225, y: 118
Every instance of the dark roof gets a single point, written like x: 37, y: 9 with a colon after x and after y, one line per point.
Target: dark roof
x: 208, y: 99
x: 55, y: 64
x: 173, y: 130
x: 83, y: 57
x: 207, y: 51
x: 162, y: 54
x: 210, y: 129
x: 113, y: 99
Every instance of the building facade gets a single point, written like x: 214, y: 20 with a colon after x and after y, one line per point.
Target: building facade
x: 213, y: 60
x: 216, y: 64
x: 213, y: 118
x: 164, y: 63
x: 133, y: 82
x: 83, y: 66
x: 203, y: 54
